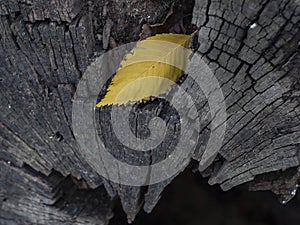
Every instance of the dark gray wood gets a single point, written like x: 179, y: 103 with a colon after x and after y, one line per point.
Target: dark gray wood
x: 45, y: 48
x: 254, y: 49
x: 29, y: 197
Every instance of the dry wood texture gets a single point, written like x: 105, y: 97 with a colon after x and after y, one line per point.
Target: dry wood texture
x: 45, y: 48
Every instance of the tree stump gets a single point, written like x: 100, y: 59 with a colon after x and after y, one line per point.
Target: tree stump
x: 45, y: 49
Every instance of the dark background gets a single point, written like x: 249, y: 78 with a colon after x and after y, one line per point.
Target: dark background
x: 189, y: 200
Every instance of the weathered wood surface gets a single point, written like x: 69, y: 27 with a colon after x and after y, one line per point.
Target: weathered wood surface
x: 252, y: 46
x: 28, y: 197
x: 254, y: 49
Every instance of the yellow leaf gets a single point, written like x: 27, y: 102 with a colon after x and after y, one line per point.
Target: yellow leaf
x: 150, y: 69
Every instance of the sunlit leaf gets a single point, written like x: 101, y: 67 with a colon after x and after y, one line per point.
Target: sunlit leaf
x: 150, y: 69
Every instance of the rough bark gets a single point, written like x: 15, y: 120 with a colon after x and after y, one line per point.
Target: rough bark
x: 45, y: 48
